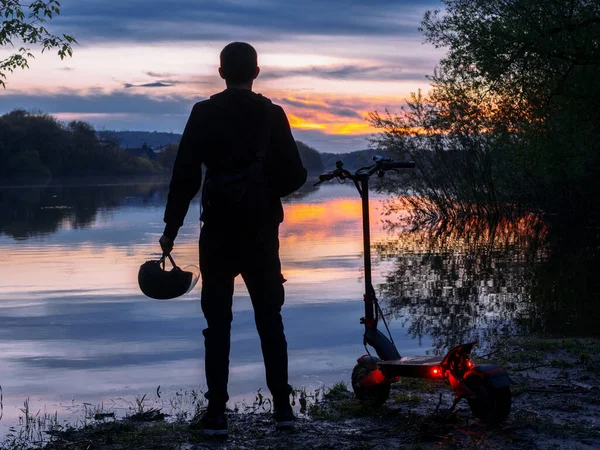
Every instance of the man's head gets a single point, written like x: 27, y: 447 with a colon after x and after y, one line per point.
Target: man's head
x: 239, y: 64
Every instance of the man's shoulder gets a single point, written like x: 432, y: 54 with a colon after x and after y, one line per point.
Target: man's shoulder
x: 226, y: 98
x: 268, y: 101
x: 264, y: 101
x: 203, y: 104
x: 276, y: 109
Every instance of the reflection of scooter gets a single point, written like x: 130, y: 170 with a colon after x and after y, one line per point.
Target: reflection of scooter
x: 486, y: 386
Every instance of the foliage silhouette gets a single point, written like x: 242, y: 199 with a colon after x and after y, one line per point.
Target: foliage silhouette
x: 26, y: 23
x: 311, y: 158
x: 513, y: 118
x: 36, y: 144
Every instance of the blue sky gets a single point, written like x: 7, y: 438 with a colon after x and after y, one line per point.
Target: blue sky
x: 141, y: 65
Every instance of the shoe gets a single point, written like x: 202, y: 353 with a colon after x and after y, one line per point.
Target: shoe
x: 214, y: 423
x: 284, y: 418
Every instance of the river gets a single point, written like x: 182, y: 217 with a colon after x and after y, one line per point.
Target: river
x: 77, y: 334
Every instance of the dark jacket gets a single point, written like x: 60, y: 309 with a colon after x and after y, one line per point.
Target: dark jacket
x: 223, y: 133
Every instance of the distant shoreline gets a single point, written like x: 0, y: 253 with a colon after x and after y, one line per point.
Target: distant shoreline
x: 92, y: 180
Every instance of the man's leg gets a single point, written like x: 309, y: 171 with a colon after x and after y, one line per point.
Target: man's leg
x: 262, y: 275
x: 218, y: 274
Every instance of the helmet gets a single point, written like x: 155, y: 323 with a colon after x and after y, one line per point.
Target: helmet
x: 158, y: 283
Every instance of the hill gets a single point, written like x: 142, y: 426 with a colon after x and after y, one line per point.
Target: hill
x: 352, y: 161
x: 316, y: 162
x: 136, y: 139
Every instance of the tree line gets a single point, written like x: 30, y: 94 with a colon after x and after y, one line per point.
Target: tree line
x: 35, y: 144
x: 38, y: 145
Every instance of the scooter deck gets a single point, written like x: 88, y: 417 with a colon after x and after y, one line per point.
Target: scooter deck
x: 412, y: 366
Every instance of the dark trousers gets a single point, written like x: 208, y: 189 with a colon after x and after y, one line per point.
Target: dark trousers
x: 252, y: 251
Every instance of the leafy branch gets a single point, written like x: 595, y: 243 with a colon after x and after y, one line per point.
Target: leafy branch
x: 26, y: 23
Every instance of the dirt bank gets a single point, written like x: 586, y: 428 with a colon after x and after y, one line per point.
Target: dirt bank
x: 556, y: 405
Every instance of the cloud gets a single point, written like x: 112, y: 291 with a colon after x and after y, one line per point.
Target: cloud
x: 350, y: 72
x: 157, y: 84
x: 158, y: 75
x: 332, y: 107
x: 101, y: 103
x: 153, y: 20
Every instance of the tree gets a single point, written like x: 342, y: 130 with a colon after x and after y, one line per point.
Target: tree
x: 167, y: 156
x: 511, y: 62
x: 311, y: 158
x: 513, y: 115
x: 25, y: 23
x: 36, y: 144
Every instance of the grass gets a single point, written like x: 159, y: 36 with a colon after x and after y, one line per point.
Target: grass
x: 338, y: 391
x: 524, y: 353
x: 338, y: 403
x: 32, y: 431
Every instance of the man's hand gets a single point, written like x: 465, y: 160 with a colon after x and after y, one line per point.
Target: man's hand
x: 166, y: 244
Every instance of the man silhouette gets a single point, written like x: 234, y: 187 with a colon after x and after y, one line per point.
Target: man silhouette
x: 234, y: 133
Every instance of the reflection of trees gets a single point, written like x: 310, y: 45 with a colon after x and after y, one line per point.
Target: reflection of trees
x: 566, y: 286
x: 464, y: 283
x: 34, y: 211
x: 477, y: 280
x: 29, y: 211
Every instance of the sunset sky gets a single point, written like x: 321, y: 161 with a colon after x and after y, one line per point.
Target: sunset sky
x: 142, y: 64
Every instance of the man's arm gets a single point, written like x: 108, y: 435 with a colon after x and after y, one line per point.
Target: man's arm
x: 286, y: 170
x: 186, y: 178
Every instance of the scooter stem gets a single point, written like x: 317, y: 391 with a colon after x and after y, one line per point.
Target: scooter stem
x: 369, y: 291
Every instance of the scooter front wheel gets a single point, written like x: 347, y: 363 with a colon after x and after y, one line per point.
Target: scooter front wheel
x: 373, y: 395
x: 490, y: 405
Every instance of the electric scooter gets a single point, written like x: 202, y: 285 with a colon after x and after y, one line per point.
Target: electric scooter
x: 485, y: 386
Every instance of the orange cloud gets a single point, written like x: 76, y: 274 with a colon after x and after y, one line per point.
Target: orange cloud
x: 333, y: 114
x: 305, y: 124
x: 352, y: 128
x: 329, y: 125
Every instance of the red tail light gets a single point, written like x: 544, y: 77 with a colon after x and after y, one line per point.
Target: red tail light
x: 375, y: 377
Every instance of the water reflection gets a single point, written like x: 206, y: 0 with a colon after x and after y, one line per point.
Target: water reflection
x: 33, y: 211
x: 75, y: 328
x: 29, y: 211
x: 566, y: 287
x: 480, y: 281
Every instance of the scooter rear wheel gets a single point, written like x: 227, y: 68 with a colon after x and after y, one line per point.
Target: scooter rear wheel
x: 490, y: 405
x: 374, y: 395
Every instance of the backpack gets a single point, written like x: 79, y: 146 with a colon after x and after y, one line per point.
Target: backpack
x: 240, y: 193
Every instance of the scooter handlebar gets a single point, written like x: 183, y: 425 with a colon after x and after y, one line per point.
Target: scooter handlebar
x: 340, y: 172
x: 381, y: 166
x: 327, y: 176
